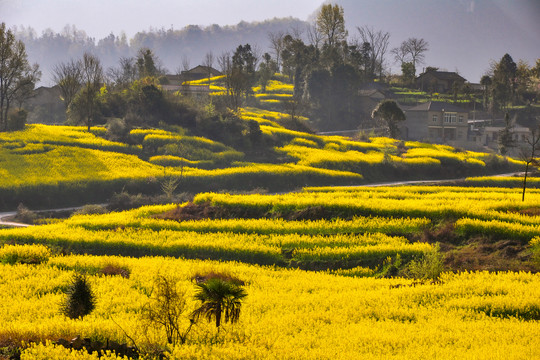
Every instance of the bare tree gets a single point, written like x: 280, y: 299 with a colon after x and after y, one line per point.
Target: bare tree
x: 185, y: 63
x: 378, y: 42
x: 84, y: 105
x: 257, y: 55
x: 296, y: 32
x: 225, y: 64
x: 277, y: 45
x: 400, y: 54
x: 68, y: 77
x: 314, y: 35
x: 209, y: 62
x: 416, y: 48
x: 125, y: 74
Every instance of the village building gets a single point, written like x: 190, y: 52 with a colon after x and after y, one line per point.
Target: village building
x: 439, y: 81
x: 177, y: 82
x: 436, y: 122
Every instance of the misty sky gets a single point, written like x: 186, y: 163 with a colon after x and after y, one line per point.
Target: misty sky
x: 464, y: 35
x: 101, y: 17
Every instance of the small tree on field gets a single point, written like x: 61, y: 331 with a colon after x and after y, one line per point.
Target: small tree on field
x: 79, y: 299
x: 390, y: 114
x: 219, y: 298
x: 17, y: 76
x: 506, y: 140
x: 166, y: 310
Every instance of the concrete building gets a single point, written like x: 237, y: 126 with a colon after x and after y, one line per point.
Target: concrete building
x: 436, y: 122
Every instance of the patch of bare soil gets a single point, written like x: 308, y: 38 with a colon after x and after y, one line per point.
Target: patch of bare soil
x: 201, y: 211
x: 483, y: 254
x: 480, y: 253
x: 535, y: 211
x: 192, y: 211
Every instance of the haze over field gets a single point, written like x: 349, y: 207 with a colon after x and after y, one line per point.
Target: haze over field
x: 464, y: 35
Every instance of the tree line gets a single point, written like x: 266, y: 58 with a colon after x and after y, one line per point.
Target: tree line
x: 325, y: 63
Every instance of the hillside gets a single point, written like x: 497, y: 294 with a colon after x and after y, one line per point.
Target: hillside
x: 52, y: 166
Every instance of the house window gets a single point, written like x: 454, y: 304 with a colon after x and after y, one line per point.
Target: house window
x: 435, y: 118
x: 460, y: 118
x: 449, y: 117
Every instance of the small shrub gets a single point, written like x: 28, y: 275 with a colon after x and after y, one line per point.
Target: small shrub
x: 391, y: 267
x: 169, y: 185
x: 125, y: 201
x: 166, y: 310
x: 24, y: 254
x: 115, y: 269
x: 429, y: 267
x: 17, y: 120
x: 79, y: 300
x: 24, y: 215
x: 91, y: 209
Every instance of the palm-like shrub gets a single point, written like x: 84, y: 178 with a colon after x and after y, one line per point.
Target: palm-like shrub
x: 79, y: 299
x: 219, y: 299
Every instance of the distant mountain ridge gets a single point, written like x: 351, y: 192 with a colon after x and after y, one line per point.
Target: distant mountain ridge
x: 171, y: 46
x: 464, y: 35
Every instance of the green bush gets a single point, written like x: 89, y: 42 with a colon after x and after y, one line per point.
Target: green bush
x: 24, y: 254
x: 79, y: 300
x: 429, y: 267
x: 17, y: 120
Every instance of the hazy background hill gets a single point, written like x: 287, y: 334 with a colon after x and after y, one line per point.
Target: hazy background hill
x: 464, y: 35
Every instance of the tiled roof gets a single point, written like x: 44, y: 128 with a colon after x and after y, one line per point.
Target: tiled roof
x: 437, y: 106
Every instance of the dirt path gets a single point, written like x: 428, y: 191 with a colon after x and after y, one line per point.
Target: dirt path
x: 9, y: 214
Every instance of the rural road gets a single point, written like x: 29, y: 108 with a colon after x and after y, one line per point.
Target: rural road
x: 4, y: 215
x: 8, y: 214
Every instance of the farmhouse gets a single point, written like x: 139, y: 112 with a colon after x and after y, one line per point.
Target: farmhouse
x: 436, y: 122
x: 177, y: 82
x: 439, y: 81
x: 199, y: 72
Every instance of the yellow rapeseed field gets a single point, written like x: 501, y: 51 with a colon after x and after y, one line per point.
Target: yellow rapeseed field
x: 288, y: 314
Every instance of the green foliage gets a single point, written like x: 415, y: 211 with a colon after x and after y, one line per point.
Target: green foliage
x: 219, y: 299
x: 429, y: 267
x: 17, y: 77
x: 331, y: 23
x: 389, y: 112
x: 24, y: 254
x: 91, y: 209
x: 391, y: 267
x: 506, y: 140
x: 79, y: 300
x: 408, y: 71
x: 17, y: 120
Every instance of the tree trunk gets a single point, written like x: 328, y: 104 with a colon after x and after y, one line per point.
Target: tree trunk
x: 218, y: 316
x: 525, y: 181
